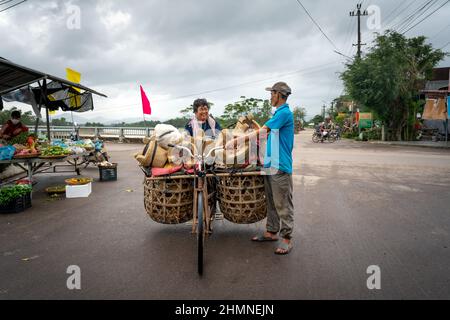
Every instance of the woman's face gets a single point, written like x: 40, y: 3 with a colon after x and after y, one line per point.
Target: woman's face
x: 202, y: 113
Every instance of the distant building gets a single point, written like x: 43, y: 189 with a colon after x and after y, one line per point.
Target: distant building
x: 440, y: 80
x: 438, y: 88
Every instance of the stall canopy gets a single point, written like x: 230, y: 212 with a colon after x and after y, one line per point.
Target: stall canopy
x: 14, y: 76
x: 50, y: 92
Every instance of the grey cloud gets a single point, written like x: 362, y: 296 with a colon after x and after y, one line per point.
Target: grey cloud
x: 182, y: 47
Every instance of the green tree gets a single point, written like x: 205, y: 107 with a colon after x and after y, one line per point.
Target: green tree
x: 317, y: 119
x: 388, y: 79
x: 187, y: 112
x: 61, y: 122
x: 299, y: 115
x: 94, y: 124
x: 260, y: 108
x: 179, y: 122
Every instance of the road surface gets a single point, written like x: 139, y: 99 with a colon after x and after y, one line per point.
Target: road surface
x: 356, y: 205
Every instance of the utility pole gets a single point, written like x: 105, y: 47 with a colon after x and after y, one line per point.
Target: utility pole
x: 332, y: 108
x: 323, y: 111
x: 358, y: 14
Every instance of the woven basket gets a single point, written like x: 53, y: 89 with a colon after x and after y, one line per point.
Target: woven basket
x: 242, y: 198
x: 169, y: 201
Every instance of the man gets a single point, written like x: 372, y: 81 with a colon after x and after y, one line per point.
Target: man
x: 203, y: 120
x: 278, y: 161
x: 13, y: 127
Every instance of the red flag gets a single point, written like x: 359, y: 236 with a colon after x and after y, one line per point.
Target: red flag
x: 146, y: 108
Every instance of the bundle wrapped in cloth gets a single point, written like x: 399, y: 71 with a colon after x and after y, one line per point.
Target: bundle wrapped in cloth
x: 153, y: 154
x: 244, y: 153
x: 158, y: 158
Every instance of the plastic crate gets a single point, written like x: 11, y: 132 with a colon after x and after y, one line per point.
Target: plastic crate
x: 108, y: 173
x: 18, y: 205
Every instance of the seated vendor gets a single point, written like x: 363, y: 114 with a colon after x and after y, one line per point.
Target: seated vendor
x: 13, y: 127
x: 203, y: 120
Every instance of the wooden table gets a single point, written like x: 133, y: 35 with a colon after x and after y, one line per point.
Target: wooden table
x: 34, y: 166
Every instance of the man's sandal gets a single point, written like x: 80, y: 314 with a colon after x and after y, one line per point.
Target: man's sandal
x: 286, y: 247
x: 264, y: 238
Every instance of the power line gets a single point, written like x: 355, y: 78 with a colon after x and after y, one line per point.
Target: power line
x: 5, y: 2
x: 437, y: 33
x: 444, y: 45
x: 410, y: 15
x: 386, y: 19
x: 391, y: 23
x: 427, y: 16
x: 13, y: 5
x: 317, y: 25
x: 419, y: 9
x: 409, y: 23
x: 310, y: 70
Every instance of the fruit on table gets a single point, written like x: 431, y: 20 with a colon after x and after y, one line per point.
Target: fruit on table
x: 56, y: 189
x: 78, y: 181
x: 31, y: 142
x: 26, y: 152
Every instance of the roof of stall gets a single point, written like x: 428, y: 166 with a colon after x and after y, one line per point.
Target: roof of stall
x: 14, y: 76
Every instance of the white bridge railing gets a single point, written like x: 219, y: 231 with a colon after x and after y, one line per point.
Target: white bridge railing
x: 120, y: 133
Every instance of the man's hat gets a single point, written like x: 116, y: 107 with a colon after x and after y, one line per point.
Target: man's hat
x: 281, y: 87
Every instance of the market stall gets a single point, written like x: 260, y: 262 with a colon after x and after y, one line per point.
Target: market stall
x: 33, y: 154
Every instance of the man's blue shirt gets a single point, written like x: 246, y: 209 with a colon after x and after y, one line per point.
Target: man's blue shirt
x: 281, y: 140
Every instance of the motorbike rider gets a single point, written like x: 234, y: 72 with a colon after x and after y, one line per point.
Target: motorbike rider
x: 325, y: 127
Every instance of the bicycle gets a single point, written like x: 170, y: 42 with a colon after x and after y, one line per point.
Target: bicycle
x: 95, y: 156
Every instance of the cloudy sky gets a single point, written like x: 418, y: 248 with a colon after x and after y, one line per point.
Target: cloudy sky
x: 179, y: 50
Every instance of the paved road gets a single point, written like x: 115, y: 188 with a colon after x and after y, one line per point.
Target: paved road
x: 356, y: 205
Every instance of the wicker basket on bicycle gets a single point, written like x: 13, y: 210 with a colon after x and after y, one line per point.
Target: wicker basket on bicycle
x: 242, y: 198
x: 169, y: 200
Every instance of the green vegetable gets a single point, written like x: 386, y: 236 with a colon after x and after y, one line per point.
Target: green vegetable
x: 11, y: 193
x: 19, y: 139
x: 55, y: 151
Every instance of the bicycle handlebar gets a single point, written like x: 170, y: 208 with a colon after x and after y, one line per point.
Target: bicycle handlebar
x: 190, y: 152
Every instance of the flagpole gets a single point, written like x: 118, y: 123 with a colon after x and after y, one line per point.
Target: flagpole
x: 145, y: 122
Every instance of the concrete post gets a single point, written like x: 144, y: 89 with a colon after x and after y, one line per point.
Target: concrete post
x: 121, y: 135
x: 383, y: 133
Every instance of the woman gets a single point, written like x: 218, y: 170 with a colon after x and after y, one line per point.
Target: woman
x: 12, y: 127
x: 202, y: 120
x: 211, y: 128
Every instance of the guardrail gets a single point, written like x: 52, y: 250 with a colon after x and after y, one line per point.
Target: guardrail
x: 120, y: 133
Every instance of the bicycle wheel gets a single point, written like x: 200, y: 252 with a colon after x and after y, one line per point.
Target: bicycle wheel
x: 331, y: 138
x: 200, y: 219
